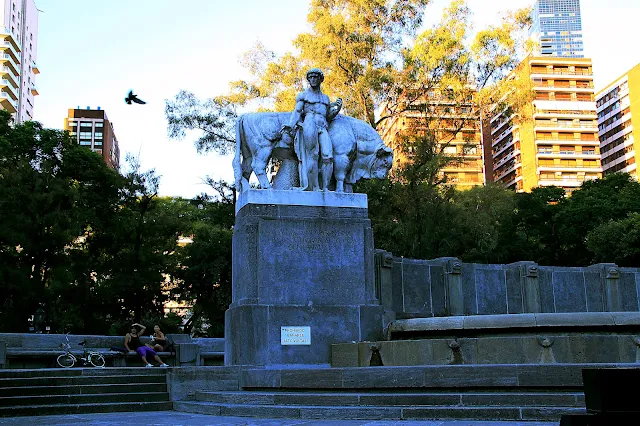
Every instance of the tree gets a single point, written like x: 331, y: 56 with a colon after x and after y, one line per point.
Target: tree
x: 205, y: 273
x: 596, y: 202
x: 214, y: 118
x: 47, y: 186
x: 485, y: 221
x: 536, y: 235
x: 616, y: 241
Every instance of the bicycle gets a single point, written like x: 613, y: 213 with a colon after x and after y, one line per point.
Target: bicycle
x: 68, y: 360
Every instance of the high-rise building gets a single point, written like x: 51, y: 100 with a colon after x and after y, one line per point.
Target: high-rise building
x: 19, y: 34
x: 552, y: 140
x: 618, y: 107
x: 557, y: 27
x: 92, y: 128
x: 455, y: 126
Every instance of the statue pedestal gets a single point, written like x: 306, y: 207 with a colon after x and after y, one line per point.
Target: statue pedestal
x: 309, y: 267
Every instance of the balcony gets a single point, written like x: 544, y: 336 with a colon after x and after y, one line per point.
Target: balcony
x: 542, y: 113
x: 567, y: 168
x: 7, y: 74
x: 9, y: 88
x: 565, y: 183
x: 501, y: 136
x: 33, y: 89
x: 555, y: 88
x: 10, y: 54
x: 34, y: 68
x: 8, y: 62
x: 499, y: 174
x: 550, y: 124
x: 500, y: 125
x: 547, y: 72
x: 7, y: 102
x: 11, y: 49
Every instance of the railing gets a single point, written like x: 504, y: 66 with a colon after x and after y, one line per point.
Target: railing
x: 542, y: 123
x: 560, y: 72
x: 566, y: 112
x: 555, y: 86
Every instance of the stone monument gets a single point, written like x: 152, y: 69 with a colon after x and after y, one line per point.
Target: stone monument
x: 303, y: 256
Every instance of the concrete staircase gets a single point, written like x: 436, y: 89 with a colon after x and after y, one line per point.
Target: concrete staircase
x: 390, y: 405
x: 471, y: 392
x: 82, y: 390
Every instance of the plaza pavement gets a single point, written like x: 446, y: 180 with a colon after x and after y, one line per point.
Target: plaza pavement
x: 175, y: 418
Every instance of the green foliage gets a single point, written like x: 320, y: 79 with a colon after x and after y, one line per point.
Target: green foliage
x: 597, y: 202
x: 599, y: 222
x: 95, y: 249
x: 617, y: 241
x: 213, y: 118
x: 205, y: 276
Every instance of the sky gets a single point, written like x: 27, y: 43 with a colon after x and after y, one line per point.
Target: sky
x: 92, y: 53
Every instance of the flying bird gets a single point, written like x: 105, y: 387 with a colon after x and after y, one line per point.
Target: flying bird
x: 133, y: 98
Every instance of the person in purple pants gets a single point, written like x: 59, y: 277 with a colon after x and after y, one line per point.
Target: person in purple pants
x: 133, y: 344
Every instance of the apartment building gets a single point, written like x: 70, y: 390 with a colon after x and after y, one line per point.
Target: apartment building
x: 557, y: 28
x: 92, y: 128
x: 618, y: 108
x: 19, y: 35
x: 455, y: 126
x: 552, y: 140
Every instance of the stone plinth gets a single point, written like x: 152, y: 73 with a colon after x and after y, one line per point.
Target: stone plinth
x: 300, y: 265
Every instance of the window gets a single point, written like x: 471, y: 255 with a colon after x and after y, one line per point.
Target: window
x: 85, y: 135
x: 86, y: 124
x: 98, y: 143
x: 98, y: 135
x: 85, y: 143
x: 99, y: 124
x: 450, y: 150
x: 72, y: 123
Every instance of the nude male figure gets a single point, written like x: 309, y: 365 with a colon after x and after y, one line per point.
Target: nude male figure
x: 312, y: 114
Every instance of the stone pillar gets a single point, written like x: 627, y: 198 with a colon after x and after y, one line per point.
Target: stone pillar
x: 609, y: 286
x: 611, y: 293
x: 384, y: 283
x: 530, y: 287
x: 300, y: 259
x: 453, y: 294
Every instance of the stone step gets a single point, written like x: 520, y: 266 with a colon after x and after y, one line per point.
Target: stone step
x: 14, y: 401
x: 460, y: 399
x: 547, y: 377
x: 114, y: 407
x: 78, y: 389
x: 64, y: 372
x: 377, y: 412
x: 83, y: 380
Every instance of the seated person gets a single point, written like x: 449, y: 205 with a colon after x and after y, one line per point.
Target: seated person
x: 132, y: 343
x: 159, y: 342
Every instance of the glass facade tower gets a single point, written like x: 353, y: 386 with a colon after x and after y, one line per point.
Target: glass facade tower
x: 557, y: 27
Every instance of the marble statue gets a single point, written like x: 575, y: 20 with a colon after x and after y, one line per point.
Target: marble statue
x: 311, y: 118
x: 318, y: 148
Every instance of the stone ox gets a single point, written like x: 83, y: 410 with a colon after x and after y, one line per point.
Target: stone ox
x: 358, y: 150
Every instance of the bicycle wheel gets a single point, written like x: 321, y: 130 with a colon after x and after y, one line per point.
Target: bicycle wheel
x: 66, y: 361
x: 97, y: 360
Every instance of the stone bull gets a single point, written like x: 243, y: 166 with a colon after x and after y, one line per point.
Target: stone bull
x: 358, y: 150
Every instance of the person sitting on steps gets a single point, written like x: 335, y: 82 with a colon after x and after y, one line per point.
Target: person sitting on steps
x: 132, y: 343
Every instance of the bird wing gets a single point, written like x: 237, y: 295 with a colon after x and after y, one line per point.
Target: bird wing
x: 135, y: 99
